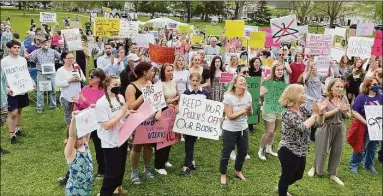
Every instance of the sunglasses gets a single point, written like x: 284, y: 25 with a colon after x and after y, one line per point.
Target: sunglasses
x: 280, y: 54
x: 245, y: 72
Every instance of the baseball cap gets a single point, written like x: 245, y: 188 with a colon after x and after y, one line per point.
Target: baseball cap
x: 133, y: 57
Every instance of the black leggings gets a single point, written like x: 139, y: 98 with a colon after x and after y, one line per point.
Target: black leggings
x: 161, y: 156
x: 99, y: 153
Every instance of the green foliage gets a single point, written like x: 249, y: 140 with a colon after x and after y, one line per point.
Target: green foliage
x: 262, y: 15
x: 277, y: 12
x: 302, y: 9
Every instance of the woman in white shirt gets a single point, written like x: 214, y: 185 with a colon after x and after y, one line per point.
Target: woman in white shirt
x: 233, y: 65
x: 68, y: 79
x: 181, y: 74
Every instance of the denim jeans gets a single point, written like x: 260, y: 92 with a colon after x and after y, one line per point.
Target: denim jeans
x: 40, y: 94
x: 368, y: 154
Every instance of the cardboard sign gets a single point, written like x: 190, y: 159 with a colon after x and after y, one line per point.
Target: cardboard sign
x: 257, y: 39
x: 75, y: 24
x: 322, y: 62
x: 249, y: 30
x: 48, y: 68
x: 170, y: 136
x: 365, y: 29
x: 213, y: 30
x: 48, y: 17
x: 171, y: 25
x: 329, y: 31
x: 72, y: 38
x: 197, y: 40
x: 374, y: 120
x: 340, y: 31
x: 284, y: 29
x: 45, y: 85
x: 86, y: 122
x: 253, y: 86
x: 128, y: 28
x: 154, y: 95
x: 106, y: 27
x: 18, y: 77
x: 183, y: 29
x: 234, y: 28
x: 359, y: 47
x: 336, y: 54
x: 274, y: 92
x: 199, y: 117
x: 143, y: 40
x: 377, y: 48
x: 226, y: 77
x: 317, y: 44
x: 161, y: 55
x: 151, y: 131
x: 269, y: 38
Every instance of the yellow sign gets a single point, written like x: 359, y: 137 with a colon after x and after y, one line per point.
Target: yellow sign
x: 106, y: 27
x: 183, y: 29
x: 107, y: 9
x: 234, y: 28
x: 197, y: 40
x: 257, y: 39
x: 244, y: 42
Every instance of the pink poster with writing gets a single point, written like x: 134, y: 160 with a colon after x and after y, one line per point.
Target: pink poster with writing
x: 151, y: 131
x: 170, y: 136
x: 269, y: 38
x: 226, y: 77
x: 133, y: 120
x: 377, y: 49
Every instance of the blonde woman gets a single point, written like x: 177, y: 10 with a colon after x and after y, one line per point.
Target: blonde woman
x: 237, y: 106
x: 195, y: 67
x: 330, y: 137
x: 233, y: 64
x: 181, y: 74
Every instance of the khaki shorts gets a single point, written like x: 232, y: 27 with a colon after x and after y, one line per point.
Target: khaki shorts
x: 271, y: 117
x: 3, y: 115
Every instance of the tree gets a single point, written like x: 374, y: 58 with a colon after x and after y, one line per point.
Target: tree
x: 188, y: 10
x: 238, y: 9
x: 370, y: 10
x: 153, y: 7
x: 279, y: 12
x: 335, y: 9
x: 302, y: 9
x: 262, y: 15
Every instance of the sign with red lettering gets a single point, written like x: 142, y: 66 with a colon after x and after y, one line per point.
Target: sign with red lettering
x: 226, y: 77
x: 377, y: 49
x: 154, y: 95
x: 161, y: 55
x: 170, y: 137
x: 151, y: 131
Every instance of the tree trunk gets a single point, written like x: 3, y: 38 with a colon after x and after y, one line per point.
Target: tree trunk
x: 332, y: 19
x: 203, y: 16
x: 236, y: 10
x: 24, y: 8
x: 19, y: 5
x: 188, y: 8
x: 206, y: 12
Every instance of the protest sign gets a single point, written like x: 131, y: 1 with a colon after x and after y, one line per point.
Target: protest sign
x: 197, y: 40
x: 151, y: 131
x: 213, y: 30
x: 268, y: 62
x: 143, y: 40
x: 48, y: 17
x: 128, y: 28
x: 339, y: 42
x: 93, y: 16
x: 48, y: 68
x: 249, y: 30
x: 317, y: 44
x: 366, y: 29
x: 374, y: 120
x: 72, y: 38
x: 284, y: 29
x: 336, y: 54
x: 269, y: 38
x: 274, y: 92
x: 161, y: 55
x: 329, y: 31
x: 86, y: 122
x: 75, y: 24
x: 266, y: 71
x: 45, y: 85
x: 170, y: 136
x: 322, y: 63
x: 377, y: 49
x: 359, y: 47
x: 339, y: 31
x: 18, y: 77
x: 171, y: 25
x: 154, y: 95
x: 234, y: 28
x: 106, y: 27
x: 351, y: 32
x: 257, y: 39
x: 183, y: 29
x: 133, y: 120
x: 253, y: 86
x: 209, y: 58
x: 199, y: 117
x: 226, y: 77
x: 303, y: 29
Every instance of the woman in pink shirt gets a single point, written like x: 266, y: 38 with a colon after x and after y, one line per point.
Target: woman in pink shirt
x: 56, y: 38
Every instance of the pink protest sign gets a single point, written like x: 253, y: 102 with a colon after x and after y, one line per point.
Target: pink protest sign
x: 170, y: 136
x: 226, y: 77
x: 150, y: 131
x: 269, y: 38
x: 318, y: 44
x: 133, y: 120
x: 377, y: 49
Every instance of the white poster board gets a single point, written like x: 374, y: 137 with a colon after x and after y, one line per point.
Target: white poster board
x: 143, y: 40
x: 72, y: 38
x: 303, y: 29
x: 249, y: 29
x: 48, y: 68
x: 340, y: 31
x: 365, y: 29
x: 128, y: 28
x: 359, y: 47
x: 48, y: 17
x: 284, y: 29
x: 154, y: 95
x: 322, y: 62
x: 374, y: 121
x: 18, y: 77
x: 93, y: 16
x: 318, y: 44
x: 86, y: 122
x: 329, y: 31
x: 45, y: 85
x: 337, y: 53
x: 199, y: 117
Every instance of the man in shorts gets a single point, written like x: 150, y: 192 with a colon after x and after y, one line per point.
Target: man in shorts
x: 3, y: 106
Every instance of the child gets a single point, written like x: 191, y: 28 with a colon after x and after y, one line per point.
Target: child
x: 79, y: 162
x: 196, y: 90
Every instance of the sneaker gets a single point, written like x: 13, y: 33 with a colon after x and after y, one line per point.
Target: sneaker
x: 354, y: 170
x: 185, y: 172
x: 276, y: 190
x: 168, y: 164
x: 247, y: 156
x: 3, y: 152
x: 337, y: 180
x: 162, y: 172
x: 13, y: 140
x: 120, y: 191
x: 20, y: 133
x: 193, y: 167
x: 135, y: 179
x: 148, y: 174
x: 269, y: 150
x: 373, y: 170
x: 53, y: 108
x: 182, y: 139
x: 62, y: 180
x: 233, y: 155
x: 311, y: 172
x: 261, y: 154
x: 39, y: 111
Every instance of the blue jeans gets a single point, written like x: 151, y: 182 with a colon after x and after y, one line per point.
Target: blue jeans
x: 370, y: 149
x: 40, y: 94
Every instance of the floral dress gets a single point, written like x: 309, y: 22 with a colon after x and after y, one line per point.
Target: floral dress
x: 217, y: 90
x: 81, y: 174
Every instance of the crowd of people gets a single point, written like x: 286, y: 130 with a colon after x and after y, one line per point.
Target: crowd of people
x: 315, y: 104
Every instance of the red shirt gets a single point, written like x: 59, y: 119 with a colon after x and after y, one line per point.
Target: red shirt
x: 296, y: 71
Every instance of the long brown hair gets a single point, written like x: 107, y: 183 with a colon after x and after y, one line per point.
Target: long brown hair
x: 106, y: 84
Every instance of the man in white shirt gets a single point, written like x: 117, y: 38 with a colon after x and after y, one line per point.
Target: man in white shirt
x: 106, y: 61
x: 212, y: 49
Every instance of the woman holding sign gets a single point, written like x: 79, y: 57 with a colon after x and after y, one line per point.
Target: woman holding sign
x: 217, y: 88
x: 237, y: 106
x: 141, y: 77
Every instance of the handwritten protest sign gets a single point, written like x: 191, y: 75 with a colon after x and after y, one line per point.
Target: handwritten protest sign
x: 154, y: 95
x: 183, y: 29
x: 133, y: 120
x: 45, y: 85
x: 366, y: 29
x: 199, y: 117
x: 143, y: 40
x: 226, y: 77
x: 213, y: 30
x: 75, y: 24
x: 86, y: 122
x: 317, y: 44
x: 234, y: 28
x: 303, y: 29
x: 340, y: 31
x: 360, y: 47
x: 197, y: 40
x: 374, y: 120
x: 336, y: 54
x: 93, y: 16
x: 18, y: 77
x: 269, y: 38
x: 151, y: 131
x: 284, y: 29
x: 274, y: 91
x: 249, y: 30
x: 257, y: 39
x: 72, y: 38
x: 339, y: 42
x: 106, y: 27
x: 161, y: 55
x: 171, y: 25
x: 128, y: 28
x: 329, y: 31
x: 48, y: 17
x: 170, y: 136
x: 377, y: 48
x: 253, y: 86
x: 322, y: 62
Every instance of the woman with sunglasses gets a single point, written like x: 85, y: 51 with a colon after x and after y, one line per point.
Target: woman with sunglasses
x: 88, y: 98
